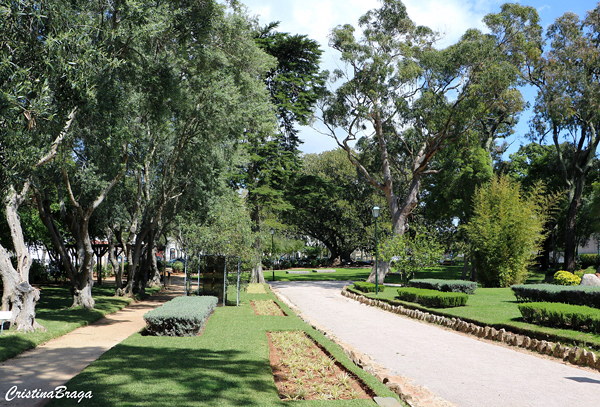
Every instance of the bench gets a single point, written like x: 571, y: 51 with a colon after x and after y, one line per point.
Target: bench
x: 4, y: 315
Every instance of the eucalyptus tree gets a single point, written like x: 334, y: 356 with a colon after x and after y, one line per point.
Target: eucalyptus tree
x: 412, y: 100
x: 44, y: 79
x: 566, y: 107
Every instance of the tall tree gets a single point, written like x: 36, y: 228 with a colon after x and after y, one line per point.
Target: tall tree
x: 567, y: 105
x: 412, y: 100
x: 294, y: 84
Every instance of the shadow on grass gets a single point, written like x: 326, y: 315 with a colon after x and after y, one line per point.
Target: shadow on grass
x: 12, y: 345
x: 162, y: 376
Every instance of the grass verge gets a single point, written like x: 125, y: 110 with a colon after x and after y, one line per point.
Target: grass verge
x: 228, y: 365
x: 54, y: 314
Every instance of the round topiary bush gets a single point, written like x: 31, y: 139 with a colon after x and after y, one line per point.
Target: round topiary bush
x: 563, y: 277
x: 178, y: 266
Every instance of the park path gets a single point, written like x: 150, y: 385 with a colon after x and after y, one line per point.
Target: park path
x: 57, y: 361
x: 461, y: 369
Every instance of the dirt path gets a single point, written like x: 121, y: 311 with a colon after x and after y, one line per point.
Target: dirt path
x: 458, y: 368
x: 57, y: 361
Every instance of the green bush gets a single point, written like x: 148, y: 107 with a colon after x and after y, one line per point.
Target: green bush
x: 506, y: 231
x: 589, y: 270
x: 563, y: 277
x: 178, y: 266
x: 182, y: 316
x: 432, y: 298
x: 575, y: 295
x: 589, y: 260
x: 556, y: 315
x: 455, y: 286
x: 368, y: 287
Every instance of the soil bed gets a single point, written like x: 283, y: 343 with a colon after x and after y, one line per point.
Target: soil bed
x: 303, y: 370
x: 267, y: 307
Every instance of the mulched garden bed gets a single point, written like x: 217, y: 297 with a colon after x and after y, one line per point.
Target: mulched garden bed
x: 267, y: 307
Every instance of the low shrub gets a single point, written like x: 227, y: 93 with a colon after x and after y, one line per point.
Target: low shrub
x: 556, y: 315
x: 575, y: 295
x: 178, y: 266
x: 589, y: 260
x: 589, y: 270
x: 368, y: 287
x: 432, y: 298
x: 182, y: 316
x: 455, y: 286
x: 563, y: 277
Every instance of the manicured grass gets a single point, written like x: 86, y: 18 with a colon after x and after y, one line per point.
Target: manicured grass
x: 498, y: 307
x: 228, y: 365
x: 54, y: 314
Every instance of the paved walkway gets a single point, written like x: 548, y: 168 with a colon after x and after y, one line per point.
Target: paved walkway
x: 459, y: 368
x: 57, y: 361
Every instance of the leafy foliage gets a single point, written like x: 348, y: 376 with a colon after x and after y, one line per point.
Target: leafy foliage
x: 409, y: 253
x: 182, y: 316
x: 506, y: 231
x: 455, y: 286
x: 366, y: 287
x: 432, y: 298
x: 575, y: 295
x: 556, y: 315
x: 563, y: 277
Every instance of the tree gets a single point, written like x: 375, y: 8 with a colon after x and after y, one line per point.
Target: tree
x: 294, y: 85
x: 567, y: 105
x: 39, y: 98
x: 412, y: 100
x: 330, y: 204
x: 410, y: 252
x: 506, y: 231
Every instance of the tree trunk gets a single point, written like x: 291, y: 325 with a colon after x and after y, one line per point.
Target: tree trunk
x: 18, y: 295
x: 257, y: 274
x: 465, y: 270
x: 383, y: 268
x: 154, y: 280
x: 257, y: 270
x: 570, y: 224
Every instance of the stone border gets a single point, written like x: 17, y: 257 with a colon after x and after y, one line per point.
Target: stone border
x: 409, y: 392
x: 576, y: 355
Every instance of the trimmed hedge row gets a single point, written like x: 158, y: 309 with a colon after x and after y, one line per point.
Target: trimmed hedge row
x: 182, y: 316
x: 575, y: 295
x: 557, y: 315
x: 432, y: 298
x: 368, y: 287
x: 455, y: 286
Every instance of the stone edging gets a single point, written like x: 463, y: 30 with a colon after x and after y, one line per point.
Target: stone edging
x: 576, y: 355
x: 412, y: 394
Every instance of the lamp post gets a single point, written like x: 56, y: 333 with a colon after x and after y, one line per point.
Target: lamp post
x: 272, y: 262
x: 376, y: 215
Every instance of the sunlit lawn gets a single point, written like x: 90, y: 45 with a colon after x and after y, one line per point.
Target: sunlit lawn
x: 228, y: 365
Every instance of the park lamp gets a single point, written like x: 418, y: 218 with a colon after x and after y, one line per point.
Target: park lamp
x: 376, y: 215
x: 272, y: 261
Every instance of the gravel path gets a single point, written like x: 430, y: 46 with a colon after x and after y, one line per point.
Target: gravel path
x: 459, y: 368
x: 57, y: 361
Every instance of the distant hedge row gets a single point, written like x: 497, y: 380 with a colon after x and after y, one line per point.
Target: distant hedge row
x: 575, y: 295
x: 557, y: 315
x: 368, y: 287
x: 455, y: 286
x: 182, y: 316
x: 432, y: 298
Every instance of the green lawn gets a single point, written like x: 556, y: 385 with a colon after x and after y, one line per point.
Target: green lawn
x: 54, y: 314
x: 227, y: 365
x: 498, y: 307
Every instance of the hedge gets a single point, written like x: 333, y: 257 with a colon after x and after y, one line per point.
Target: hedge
x: 556, y: 315
x: 575, y: 295
x: 182, y: 316
x: 589, y: 260
x: 432, y: 298
x: 455, y: 286
x: 368, y: 287
x: 563, y: 277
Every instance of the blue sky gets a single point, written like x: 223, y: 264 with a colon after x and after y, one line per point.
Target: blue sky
x: 316, y: 18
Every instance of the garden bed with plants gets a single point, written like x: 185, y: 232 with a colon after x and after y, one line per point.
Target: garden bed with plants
x: 304, y: 371
x: 267, y: 308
